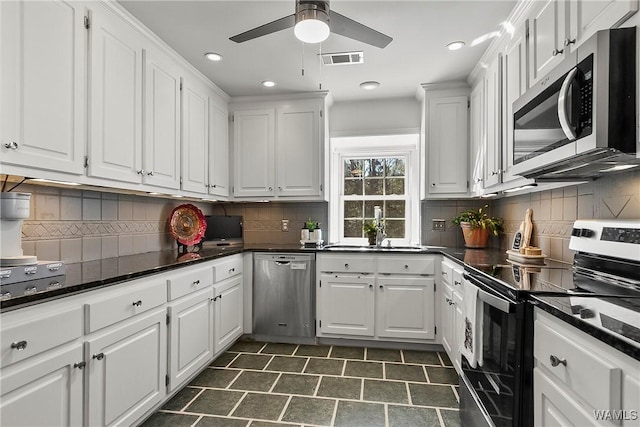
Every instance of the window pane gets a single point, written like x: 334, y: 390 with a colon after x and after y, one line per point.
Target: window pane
x: 353, y: 168
x: 373, y: 167
x: 394, y: 167
x: 373, y: 187
x: 352, y: 228
x: 353, y: 209
x: 394, y: 228
x: 395, y: 209
x: 394, y: 186
x: 352, y: 187
x: 368, y: 207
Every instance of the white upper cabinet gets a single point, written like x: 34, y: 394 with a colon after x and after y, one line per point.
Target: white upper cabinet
x: 161, y: 148
x: 493, y: 110
x: 547, y: 30
x: 589, y: 16
x: 195, y: 136
x: 476, y: 138
x: 43, y: 84
x: 218, y: 149
x: 115, y: 146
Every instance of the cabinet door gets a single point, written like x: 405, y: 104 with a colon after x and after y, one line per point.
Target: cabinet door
x: 298, y: 151
x: 195, y: 137
x: 476, y: 137
x: 253, y: 152
x: 43, y: 84
x: 552, y: 405
x: 589, y: 16
x: 127, y: 370
x: 458, y: 331
x: 43, y: 391
x: 493, y: 105
x: 405, y: 308
x: 447, y: 145
x: 161, y: 148
x: 547, y: 27
x: 448, y: 311
x: 115, y: 145
x: 218, y: 149
x: 346, y: 305
x: 228, y: 312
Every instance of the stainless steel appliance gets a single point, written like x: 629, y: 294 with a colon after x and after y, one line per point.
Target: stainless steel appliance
x: 31, y: 279
x: 581, y: 119
x: 284, y: 297
x: 602, y: 287
x: 14, y: 209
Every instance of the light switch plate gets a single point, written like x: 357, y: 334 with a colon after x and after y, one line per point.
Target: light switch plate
x: 438, y: 224
x: 285, y: 225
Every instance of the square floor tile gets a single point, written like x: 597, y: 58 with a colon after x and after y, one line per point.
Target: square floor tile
x: 224, y: 359
x: 324, y: 366
x: 215, y: 402
x: 395, y: 371
x: 296, y: 384
x: 345, y: 388
x: 450, y: 418
x: 164, y: 419
x: 363, y: 369
x: 422, y: 357
x: 309, y: 410
x: 213, y: 377
x: 278, y: 348
x: 351, y: 414
x: 221, y: 422
x: 348, y: 352
x: 407, y: 416
x: 433, y: 395
x: 384, y: 355
x: 385, y: 391
x: 255, y: 381
x: 256, y: 423
x: 251, y: 361
x: 442, y: 375
x: 287, y: 364
x: 181, y: 398
x: 261, y: 406
x: 247, y: 346
x: 445, y: 359
x: 313, y: 350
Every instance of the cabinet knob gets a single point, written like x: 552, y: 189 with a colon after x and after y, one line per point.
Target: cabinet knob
x: 279, y: 188
x: 493, y: 173
x: 196, y: 283
x: 19, y: 345
x: 150, y: 173
x: 478, y: 180
x: 557, y: 52
x: 80, y: 365
x: 11, y: 145
x: 567, y: 42
x: 433, y: 184
x: 137, y: 303
x: 370, y: 286
x: 444, y: 273
x: 406, y: 267
x: 214, y: 185
x: 381, y: 287
x: 140, y: 172
x: 270, y: 188
x: 346, y: 266
x: 457, y: 282
x: 232, y: 270
x: 98, y: 356
x: 555, y: 361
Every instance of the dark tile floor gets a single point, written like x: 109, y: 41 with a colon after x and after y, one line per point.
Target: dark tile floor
x: 266, y: 384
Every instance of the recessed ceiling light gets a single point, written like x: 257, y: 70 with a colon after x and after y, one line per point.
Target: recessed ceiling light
x: 212, y: 56
x: 370, y: 85
x: 455, y: 45
x: 268, y: 83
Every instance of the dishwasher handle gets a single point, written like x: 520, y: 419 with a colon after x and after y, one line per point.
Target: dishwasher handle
x: 283, y: 262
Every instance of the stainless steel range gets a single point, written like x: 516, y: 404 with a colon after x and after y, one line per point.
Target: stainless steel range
x: 601, y: 287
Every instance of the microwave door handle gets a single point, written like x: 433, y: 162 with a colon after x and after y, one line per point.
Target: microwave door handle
x: 563, y: 115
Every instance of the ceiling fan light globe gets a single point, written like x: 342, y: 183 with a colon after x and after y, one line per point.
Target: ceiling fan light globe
x: 311, y: 30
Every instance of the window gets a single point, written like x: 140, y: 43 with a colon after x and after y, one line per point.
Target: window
x: 374, y: 171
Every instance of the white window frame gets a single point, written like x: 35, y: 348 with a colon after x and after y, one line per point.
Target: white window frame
x: 343, y: 148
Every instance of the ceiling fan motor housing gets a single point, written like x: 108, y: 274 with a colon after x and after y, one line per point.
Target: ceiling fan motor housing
x: 309, y: 9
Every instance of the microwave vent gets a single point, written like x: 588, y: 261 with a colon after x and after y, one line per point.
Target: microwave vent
x: 343, y: 58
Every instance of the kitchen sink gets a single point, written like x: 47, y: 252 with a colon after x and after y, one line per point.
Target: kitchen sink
x: 383, y: 248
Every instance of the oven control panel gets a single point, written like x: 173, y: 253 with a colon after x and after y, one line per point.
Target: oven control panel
x: 624, y: 235
x: 614, y: 238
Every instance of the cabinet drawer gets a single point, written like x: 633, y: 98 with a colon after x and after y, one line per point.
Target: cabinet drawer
x: 227, y: 268
x: 446, y: 271
x: 188, y: 280
x: 593, y: 378
x: 134, y: 298
x: 390, y: 264
x: 29, y: 333
x: 347, y: 264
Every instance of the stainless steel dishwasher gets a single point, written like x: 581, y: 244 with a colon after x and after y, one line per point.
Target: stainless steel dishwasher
x: 284, y: 296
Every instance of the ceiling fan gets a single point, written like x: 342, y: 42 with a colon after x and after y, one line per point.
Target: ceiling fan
x: 313, y: 21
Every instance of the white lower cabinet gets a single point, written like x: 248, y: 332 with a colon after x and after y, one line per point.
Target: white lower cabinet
x: 452, y: 316
x: 228, y: 320
x: 346, y: 304
x: 190, y: 335
x: 415, y: 296
x: 127, y: 367
x: 45, y: 390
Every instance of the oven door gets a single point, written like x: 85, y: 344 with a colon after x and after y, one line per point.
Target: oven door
x: 490, y: 393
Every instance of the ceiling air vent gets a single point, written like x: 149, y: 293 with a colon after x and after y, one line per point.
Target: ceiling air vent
x: 343, y: 58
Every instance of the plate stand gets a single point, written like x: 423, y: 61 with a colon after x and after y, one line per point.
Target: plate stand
x: 183, y: 249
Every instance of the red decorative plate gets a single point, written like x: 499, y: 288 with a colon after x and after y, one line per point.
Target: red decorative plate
x: 187, y: 224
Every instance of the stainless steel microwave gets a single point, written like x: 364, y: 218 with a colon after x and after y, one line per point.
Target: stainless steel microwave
x: 580, y: 119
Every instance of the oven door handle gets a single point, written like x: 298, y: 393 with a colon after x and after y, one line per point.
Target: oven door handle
x: 501, y: 304
x: 563, y: 115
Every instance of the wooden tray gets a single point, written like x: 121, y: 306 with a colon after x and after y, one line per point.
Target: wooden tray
x: 525, y: 259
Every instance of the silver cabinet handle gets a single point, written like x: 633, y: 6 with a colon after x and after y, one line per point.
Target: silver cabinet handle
x: 444, y: 273
x: 567, y: 42
x: 140, y: 172
x: 195, y: 283
x: 433, y: 184
x: 346, y: 266
x: 555, y: 361
x: 213, y: 186
x: 11, y: 145
x: 370, y: 286
x: 270, y: 188
x: 457, y: 282
x: 98, y: 356
x: 137, y: 303
x: 557, y: 52
x: 150, y: 173
x: 80, y: 365
x: 381, y: 287
x: 19, y: 345
x: 406, y: 267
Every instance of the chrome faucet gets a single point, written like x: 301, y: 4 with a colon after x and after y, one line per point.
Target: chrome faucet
x: 380, y: 234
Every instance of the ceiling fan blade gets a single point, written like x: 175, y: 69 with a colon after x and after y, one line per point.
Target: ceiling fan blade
x: 347, y: 27
x: 263, y: 30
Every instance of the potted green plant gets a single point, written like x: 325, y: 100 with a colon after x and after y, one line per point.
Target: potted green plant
x: 371, y: 230
x: 477, y: 226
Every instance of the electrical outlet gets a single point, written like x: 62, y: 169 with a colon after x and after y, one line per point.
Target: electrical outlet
x: 438, y: 224
x: 285, y: 225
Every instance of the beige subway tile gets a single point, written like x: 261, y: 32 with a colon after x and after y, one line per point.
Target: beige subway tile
x: 109, y: 246
x: 544, y: 213
x: 28, y: 248
x: 109, y: 210
x: 557, y: 193
x: 70, y: 208
x: 109, y: 196
x: 570, y: 191
x: 139, y: 244
x: 71, y: 250
x: 586, y: 188
x: 91, y: 209
x: 125, y: 244
x: 585, y: 206
x: 569, y: 208
x: 567, y: 254
x: 545, y: 194
x: 252, y: 212
x: 91, y: 248
x: 555, y: 251
x: 153, y: 242
x: 557, y: 207
x: 91, y: 194
x: 48, y: 250
x: 41, y: 189
x: 47, y: 207
x: 125, y: 208
x: 544, y: 243
x: 276, y: 212
x: 139, y: 210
